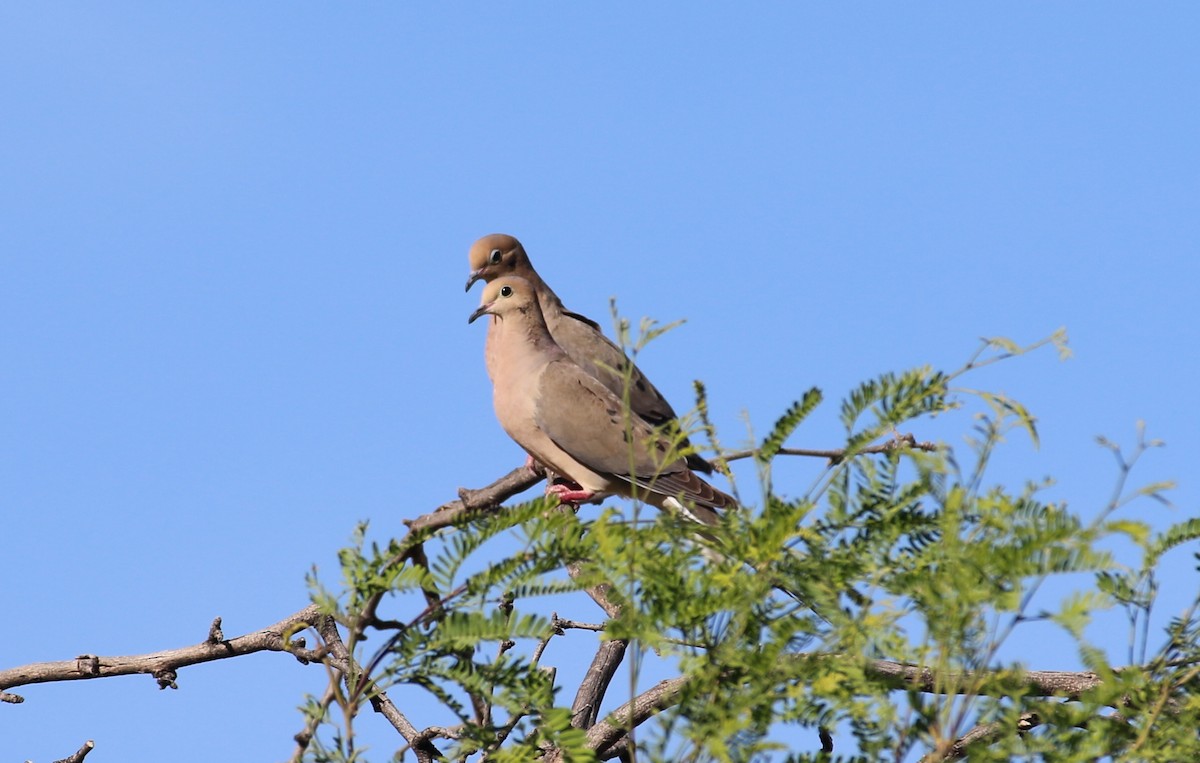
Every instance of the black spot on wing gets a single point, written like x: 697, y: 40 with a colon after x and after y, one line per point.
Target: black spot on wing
x: 582, y: 319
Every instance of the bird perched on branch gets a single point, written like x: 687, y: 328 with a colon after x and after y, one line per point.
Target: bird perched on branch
x: 499, y: 255
x: 573, y: 424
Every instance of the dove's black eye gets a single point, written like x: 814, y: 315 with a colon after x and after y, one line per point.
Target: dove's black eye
x: 495, y: 256
x: 506, y: 291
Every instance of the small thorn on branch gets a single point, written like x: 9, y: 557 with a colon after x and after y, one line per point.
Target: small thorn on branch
x: 299, y: 647
x: 1028, y: 722
x: 166, y: 678
x: 469, y: 500
x: 215, y: 635
x: 88, y: 664
x: 904, y: 441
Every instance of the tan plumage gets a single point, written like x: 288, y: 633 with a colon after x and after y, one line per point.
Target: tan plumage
x: 570, y: 422
x: 499, y: 255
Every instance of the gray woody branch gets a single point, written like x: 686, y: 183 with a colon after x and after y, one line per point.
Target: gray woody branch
x: 163, y: 665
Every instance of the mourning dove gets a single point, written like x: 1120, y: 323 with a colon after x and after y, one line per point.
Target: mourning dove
x: 570, y: 422
x: 500, y: 255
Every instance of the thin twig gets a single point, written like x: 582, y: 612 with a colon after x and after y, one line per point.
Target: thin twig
x: 559, y: 624
x: 304, y: 736
x: 900, y: 442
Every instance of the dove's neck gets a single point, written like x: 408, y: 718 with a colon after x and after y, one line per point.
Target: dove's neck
x: 547, y: 299
x: 519, y: 347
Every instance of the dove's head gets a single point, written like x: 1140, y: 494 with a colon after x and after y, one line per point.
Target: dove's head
x: 508, y: 295
x: 497, y: 255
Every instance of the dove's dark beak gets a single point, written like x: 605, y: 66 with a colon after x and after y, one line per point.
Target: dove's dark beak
x: 482, y: 310
x: 475, y: 276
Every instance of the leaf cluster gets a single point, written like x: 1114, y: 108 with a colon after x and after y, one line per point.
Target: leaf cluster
x: 875, y: 607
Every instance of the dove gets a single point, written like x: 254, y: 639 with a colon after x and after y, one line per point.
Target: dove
x: 499, y: 255
x: 563, y: 417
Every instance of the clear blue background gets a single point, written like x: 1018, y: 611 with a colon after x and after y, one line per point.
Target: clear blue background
x: 234, y: 243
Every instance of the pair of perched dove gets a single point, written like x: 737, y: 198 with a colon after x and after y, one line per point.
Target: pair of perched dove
x: 558, y: 390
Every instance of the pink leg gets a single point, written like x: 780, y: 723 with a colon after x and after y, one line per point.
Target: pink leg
x: 569, y: 493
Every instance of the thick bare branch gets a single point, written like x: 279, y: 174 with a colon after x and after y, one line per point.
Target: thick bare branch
x: 983, y: 734
x: 1044, y: 683
x: 485, y: 499
x: 599, y: 593
x: 78, y: 755
x: 162, y: 665
x: 618, y: 749
x: 646, y: 705
x: 561, y: 625
x: 607, y: 733
x: 586, y: 707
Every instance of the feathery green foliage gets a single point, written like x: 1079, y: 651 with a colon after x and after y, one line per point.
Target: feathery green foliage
x: 787, y: 423
x: 877, y: 606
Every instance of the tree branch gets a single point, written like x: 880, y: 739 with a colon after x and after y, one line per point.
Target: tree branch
x: 162, y: 665
x: 1043, y: 683
x: 486, y: 499
x: 586, y: 707
x: 607, y: 733
x: 304, y: 737
x: 646, y: 705
x: 599, y: 592
x: 604, y: 737
x: 342, y: 661
x: 489, y: 499
x: 78, y: 755
x: 983, y: 734
x: 899, y: 442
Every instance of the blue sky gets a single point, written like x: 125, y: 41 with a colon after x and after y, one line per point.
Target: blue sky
x: 235, y: 241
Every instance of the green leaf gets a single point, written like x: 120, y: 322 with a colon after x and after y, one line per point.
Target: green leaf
x: 787, y: 423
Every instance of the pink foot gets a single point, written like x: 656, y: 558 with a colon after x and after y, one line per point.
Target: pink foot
x: 568, y: 493
x: 532, y: 466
